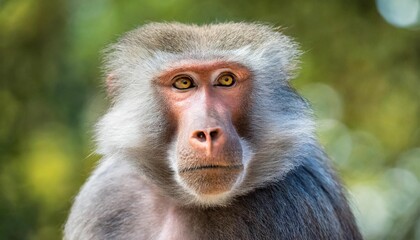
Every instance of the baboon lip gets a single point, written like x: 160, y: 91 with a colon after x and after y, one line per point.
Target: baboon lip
x: 204, y: 167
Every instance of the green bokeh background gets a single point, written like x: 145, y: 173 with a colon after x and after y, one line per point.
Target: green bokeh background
x: 361, y: 74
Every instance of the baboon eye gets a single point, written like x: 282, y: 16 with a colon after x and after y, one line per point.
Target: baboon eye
x: 183, y: 82
x: 226, y: 80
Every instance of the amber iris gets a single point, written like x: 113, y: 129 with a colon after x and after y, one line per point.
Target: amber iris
x: 183, y: 83
x: 226, y: 80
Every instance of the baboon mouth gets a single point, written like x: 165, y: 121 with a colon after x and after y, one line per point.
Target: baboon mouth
x: 231, y: 167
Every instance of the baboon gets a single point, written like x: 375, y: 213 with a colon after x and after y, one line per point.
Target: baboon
x: 206, y: 139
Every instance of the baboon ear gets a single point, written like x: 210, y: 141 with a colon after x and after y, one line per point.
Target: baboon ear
x: 111, y: 85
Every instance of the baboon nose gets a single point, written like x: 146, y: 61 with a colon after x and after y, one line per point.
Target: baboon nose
x: 207, y: 139
x: 210, y: 134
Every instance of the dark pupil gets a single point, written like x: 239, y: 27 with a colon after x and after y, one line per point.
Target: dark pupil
x: 185, y: 81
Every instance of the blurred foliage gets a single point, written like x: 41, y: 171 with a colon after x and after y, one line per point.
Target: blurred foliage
x: 361, y: 74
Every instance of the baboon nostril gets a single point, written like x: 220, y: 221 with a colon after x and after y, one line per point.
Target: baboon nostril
x: 201, y: 136
x: 214, y: 134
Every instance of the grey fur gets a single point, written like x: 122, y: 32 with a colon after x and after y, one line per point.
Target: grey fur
x: 288, y: 191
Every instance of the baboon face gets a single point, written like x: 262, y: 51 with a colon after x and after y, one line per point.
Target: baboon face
x: 207, y: 101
